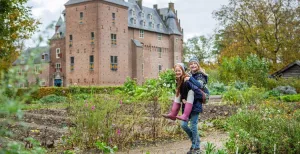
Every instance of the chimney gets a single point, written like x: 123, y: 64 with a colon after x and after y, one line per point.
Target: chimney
x: 140, y: 4
x: 155, y: 6
x: 171, y: 6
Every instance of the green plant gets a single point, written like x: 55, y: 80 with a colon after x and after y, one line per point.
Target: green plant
x: 216, y: 88
x: 269, y: 125
x: 290, y: 98
x: 210, y: 148
x: 52, y: 99
x: 104, y: 148
x: 250, y: 95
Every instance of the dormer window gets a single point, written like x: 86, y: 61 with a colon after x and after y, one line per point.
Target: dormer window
x: 142, y: 14
x: 143, y: 23
x: 133, y: 12
x: 152, y: 25
x: 134, y: 21
x: 150, y: 16
x: 160, y: 26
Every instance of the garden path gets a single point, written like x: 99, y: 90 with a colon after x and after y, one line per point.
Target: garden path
x: 218, y: 138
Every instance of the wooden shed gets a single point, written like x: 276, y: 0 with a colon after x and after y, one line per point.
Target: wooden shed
x: 290, y: 71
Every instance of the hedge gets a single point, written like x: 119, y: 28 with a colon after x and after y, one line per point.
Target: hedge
x: 65, y: 91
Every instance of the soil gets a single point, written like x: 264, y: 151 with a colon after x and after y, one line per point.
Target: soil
x: 49, y: 125
x: 218, y: 138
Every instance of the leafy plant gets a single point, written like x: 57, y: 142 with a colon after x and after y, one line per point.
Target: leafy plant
x: 287, y: 90
x: 250, y: 95
x: 104, y: 148
x: 290, y: 98
x: 52, y: 99
x: 269, y: 125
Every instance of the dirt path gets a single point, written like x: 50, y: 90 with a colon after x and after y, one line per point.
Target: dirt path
x: 218, y: 138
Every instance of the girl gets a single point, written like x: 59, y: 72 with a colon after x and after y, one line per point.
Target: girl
x: 199, y: 78
x: 191, y: 107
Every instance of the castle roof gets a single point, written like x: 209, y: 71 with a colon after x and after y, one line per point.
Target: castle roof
x: 145, y: 18
x: 37, y: 53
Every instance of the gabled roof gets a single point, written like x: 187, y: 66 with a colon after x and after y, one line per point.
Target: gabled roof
x: 286, y: 68
x: 38, y: 51
x: 156, y: 24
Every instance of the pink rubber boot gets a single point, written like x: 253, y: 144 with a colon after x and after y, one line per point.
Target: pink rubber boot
x: 187, y: 111
x: 174, y: 111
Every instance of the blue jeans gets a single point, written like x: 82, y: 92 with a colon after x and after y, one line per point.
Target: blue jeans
x: 192, y: 131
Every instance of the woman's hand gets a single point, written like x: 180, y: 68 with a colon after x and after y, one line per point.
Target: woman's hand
x: 186, y: 78
x: 183, y: 101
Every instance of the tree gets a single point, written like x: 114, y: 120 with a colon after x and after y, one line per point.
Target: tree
x: 200, y: 47
x: 16, y: 25
x: 269, y: 29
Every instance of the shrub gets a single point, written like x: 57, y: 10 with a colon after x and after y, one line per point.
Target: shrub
x: 290, y: 98
x: 53, y: 99
x: 285, y: 90
x: 65, y: 91
x: 260, y: 130
x: 216, y: 88
x: 293, y: 82
x: 247, y: 96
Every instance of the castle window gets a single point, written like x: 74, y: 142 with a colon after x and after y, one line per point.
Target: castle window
x: 58, y: 54
x: 81, y: 15
x: 141, y: 33
x: 150, y: 16
x: 113, y: 18
x: 159, y: 52
x: 72, y: 60
x: 58, y: 67
x: 133, y: 12
x: 113, y: 39
x: 142, y: 14
x: 71, y: 39
x: 92, y: 37
x: 159, y: 68
x: 114, y: 63
x: 92, y: 62
x: 144, y: 23
x: 159, y: 36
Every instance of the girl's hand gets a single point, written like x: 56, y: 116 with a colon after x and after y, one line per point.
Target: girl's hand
x: 186, y: 79
x: 183, y: 101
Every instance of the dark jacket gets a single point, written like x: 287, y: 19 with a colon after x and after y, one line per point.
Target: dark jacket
x: 200, y: 80
x: 186, y: 86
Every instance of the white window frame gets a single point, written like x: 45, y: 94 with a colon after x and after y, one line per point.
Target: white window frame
x: 142, y: 33
x: 57, y: 66
x: 144, y: 23
x: 133, y: 12
x: 134, y: 21
x: 151, y: 16
x: 142, y: 14
x: 159, y: 52
x: 113, y: 39
x: 159, y: 36
x: 57, y: 53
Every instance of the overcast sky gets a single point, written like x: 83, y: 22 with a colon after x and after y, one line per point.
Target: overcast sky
x: 195, y: 15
